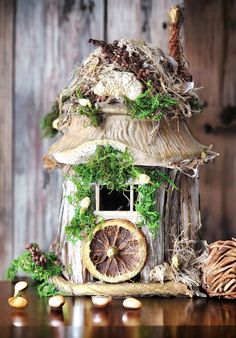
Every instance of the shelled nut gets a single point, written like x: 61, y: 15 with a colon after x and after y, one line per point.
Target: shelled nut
x: 19, y: 287
x: 56, y: 302
x: 101, y: 301
x: 132, y: 303
x: 17, y: 302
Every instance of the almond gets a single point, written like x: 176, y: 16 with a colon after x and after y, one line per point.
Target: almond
x: 132, y: 303
x: 56, y: 302
x: 17, y: 302
x: 101, y: 301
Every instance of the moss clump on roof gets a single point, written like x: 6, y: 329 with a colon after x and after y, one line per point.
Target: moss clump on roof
x: 172, y: 93
x: 89, y: 110
x: 46, y: 121
x: 150, y: 106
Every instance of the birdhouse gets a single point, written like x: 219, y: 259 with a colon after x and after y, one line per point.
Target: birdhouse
x: 130, y: 207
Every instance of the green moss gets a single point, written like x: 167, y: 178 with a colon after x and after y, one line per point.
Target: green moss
x: 149, y: 105
x: 108, y: 166
x: 90, y: 111
x: 26, y: 264
x: 47, y: 289
x: 146, y: 203
x: 46, y: 121
x: 114, y: 169
x: 196, y: 105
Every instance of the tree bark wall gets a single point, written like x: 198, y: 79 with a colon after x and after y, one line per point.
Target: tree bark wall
x: 179, y: 218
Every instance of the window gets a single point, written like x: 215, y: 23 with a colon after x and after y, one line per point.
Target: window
x: 107, y: 200
x: 114, y: 200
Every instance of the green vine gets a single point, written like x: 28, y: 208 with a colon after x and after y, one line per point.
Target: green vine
x: 41, y: 274
x: 149, y: 105
x: 114, y: 169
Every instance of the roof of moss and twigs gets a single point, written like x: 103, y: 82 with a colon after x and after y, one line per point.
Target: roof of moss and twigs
x: 149, y: 79
x: 128, y: 94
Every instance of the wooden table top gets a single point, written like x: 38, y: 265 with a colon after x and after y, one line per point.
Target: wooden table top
x: 159, y: 317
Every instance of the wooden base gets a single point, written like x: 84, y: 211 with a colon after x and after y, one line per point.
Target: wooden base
x: 168, y: 289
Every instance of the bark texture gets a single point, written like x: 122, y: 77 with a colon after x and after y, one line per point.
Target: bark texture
x: 179, y: 216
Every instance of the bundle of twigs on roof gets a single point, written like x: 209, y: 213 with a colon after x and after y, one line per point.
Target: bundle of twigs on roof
x: 128, y: 71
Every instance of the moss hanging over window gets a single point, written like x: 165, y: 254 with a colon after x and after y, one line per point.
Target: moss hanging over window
x: 114, y: 169
x: 149, y: 105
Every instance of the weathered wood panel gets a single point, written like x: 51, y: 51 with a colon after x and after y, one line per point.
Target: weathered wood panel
x: 179, y: 218
x: 51, y: 37
x: 144, y: 19
x: 210, y: 41
x: 6, y: 81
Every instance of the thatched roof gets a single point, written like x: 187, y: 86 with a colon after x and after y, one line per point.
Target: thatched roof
x: 169, y: 144
x: 103, y: 76
x: 102, y: 85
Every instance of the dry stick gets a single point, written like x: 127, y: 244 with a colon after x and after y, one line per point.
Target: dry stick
x: 175, y: 47
x: 121, y: 290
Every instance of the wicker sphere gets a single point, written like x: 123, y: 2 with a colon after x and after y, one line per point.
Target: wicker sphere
x: 219, y: 270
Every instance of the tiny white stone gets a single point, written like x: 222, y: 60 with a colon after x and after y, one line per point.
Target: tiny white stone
x: 85, y: 102
x: 132, y: 303
x: 188, y: 86
x: 55, y: 124
x: 144, y: 179
x: 85, y: 203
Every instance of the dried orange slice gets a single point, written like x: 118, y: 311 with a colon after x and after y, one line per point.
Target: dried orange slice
x: 117, y: 251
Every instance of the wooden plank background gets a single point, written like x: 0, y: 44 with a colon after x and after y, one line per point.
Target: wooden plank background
x: 42, y: 40
x: 210, y: 41
x: 6, y: 131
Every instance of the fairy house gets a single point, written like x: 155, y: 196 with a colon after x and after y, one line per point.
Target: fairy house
x: 125, y: 112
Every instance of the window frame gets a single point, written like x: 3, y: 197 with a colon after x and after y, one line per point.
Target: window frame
x: 131, y: 214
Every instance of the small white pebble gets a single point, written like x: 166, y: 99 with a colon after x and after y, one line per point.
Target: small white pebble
x: 85, y: 203
x: 55, y: 124
x: 144, y: 179
x: 101, y: 301
x: 132, y: 303
x: 85, y: 102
